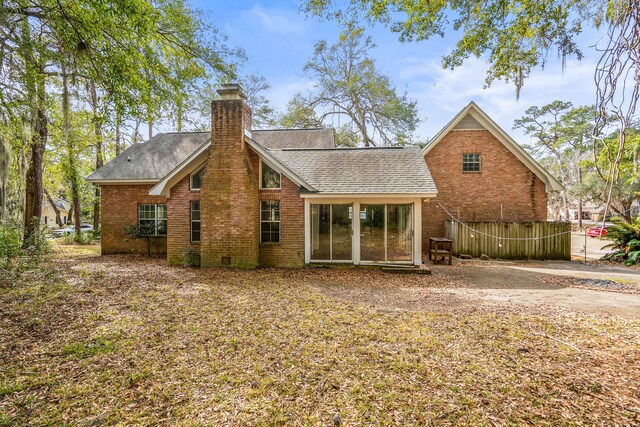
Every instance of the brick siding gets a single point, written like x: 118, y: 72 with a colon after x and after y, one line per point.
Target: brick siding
x: 119, y: 209
x: 179, y: 224
x: 478, y: 196
x: 229, y: 196
x: 289, y: 252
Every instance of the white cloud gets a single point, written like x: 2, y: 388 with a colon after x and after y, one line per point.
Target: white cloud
x: 281, y: 93
x: 276, y: 21
x: 442, y: 93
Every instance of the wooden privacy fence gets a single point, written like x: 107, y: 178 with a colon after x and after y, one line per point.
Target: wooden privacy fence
x: 511, y: 240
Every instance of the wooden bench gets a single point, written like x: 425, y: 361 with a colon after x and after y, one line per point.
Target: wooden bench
x: 439, y: 249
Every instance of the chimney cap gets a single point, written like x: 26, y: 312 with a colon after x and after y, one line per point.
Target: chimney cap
x: 231, y: 91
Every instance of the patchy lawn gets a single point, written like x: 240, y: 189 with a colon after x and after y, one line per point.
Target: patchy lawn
x: 93, y: 340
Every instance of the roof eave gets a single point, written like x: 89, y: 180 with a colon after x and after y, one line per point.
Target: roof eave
x: 264, y: 154
x: 551, y: 183
x: 162, y: 188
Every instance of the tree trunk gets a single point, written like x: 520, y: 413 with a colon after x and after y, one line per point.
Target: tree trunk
x: 72, y: 172
x: 97, y: 130
x: 5, y: 166
x: 55, y: 208
x: 33, y: 196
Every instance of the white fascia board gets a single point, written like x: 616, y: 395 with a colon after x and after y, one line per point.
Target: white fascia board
x: 368, y: 195
x: 275, y: 164
x: 163, y: 187
x: 551, y: 183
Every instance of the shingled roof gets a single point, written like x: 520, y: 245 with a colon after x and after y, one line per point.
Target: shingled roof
x: 383, y: 170
x: 152, y: 160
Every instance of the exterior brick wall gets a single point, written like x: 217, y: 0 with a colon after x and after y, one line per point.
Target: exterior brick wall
x: 478, y: 196
x: 119, y: 209
x: 289, y: 252
x: 179, y: 224
x: 229, y: 200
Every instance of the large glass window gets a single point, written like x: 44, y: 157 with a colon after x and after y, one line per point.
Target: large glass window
x: 386, y: 232
x: 270, y: 221
x: 195, y: 221
x: 152, y: 219
x: 270, y: 178
x: 331, y: 233
x: 471, y: 162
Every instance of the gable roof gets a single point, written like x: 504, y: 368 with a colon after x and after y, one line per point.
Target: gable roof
x: 472, y: 117
x: 382, y: 170
x: 152, y: 160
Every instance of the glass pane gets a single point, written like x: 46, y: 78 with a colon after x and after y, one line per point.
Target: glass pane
x: 147, y: 211
x: 399, y: 232
x: 196, y: 180
x: 162, y: 211
x: 195, y: 231
x: 270, y: 178
x: 341, y: 232
x: 147, y: 226
x: 372, y: 232
x: 320, y: 232
x: 195, y: 211
x: 162, y: 227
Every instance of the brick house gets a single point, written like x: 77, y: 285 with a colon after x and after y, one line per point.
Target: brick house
x: 242, y: 198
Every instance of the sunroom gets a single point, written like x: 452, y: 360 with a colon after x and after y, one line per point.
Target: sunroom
x: 365, y: 206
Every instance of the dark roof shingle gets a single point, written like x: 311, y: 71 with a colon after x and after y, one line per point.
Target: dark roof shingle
x: 382, y: 170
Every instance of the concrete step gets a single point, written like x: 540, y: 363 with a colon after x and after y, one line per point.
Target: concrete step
x: 421, y: 269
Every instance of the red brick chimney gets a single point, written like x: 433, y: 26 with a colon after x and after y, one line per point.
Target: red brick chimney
x: 229, y: 196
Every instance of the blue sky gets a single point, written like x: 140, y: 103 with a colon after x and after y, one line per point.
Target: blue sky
x: 279, y: 40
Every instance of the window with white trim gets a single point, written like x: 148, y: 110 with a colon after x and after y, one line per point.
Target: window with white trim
x: 471, y: 162
x: 153, y: 217
x: 196, y: 180
x: 270, y: 221
x: 269, y: 177
x: 195, y: 221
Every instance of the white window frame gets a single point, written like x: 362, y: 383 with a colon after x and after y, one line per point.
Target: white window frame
x: 191, y: 180
x: 260, y: 177
x: 191, y: 220
x: 479, y: 162
x: 279, y: 221
x: 155, y: 217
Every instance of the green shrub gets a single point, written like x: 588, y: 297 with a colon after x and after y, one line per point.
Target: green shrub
x: 626, y: 246
x: 191, y: 258
x: 10, y: 244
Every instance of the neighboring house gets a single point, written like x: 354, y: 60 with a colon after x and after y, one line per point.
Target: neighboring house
x: 48, y: 216
x: 242, y: 198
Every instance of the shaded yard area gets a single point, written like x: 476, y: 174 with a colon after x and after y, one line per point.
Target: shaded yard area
x: 93, y: 340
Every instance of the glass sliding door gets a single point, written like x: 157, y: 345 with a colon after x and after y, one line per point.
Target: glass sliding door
x: 399, y: 232
x: 321, y: 232
x: 331, y: 235
x: 386, y: 232
x: 372, y: 233
x: 341, y: 234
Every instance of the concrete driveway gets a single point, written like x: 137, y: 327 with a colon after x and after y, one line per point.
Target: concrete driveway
x: 594, y: 246
x: 561, y: 284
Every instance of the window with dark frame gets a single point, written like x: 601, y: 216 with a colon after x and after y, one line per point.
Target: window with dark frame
x: 471, y: 162
x: 270, y: 221
x: 270, y: 178
x: 153, y: 217
x: 195, y: 221
x: 196, y: 180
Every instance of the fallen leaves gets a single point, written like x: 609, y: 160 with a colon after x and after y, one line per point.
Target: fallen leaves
x: 127, y: 340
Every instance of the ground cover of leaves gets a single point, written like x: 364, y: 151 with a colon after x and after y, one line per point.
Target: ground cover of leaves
x: 91, y: 340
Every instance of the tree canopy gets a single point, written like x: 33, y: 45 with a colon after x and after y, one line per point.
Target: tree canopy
x: 350, y: 87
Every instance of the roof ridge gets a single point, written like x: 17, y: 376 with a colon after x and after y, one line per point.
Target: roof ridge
x: 340, y: 148
x: 288, y: 129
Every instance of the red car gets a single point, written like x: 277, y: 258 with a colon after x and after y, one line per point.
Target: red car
x: 597, y: 232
